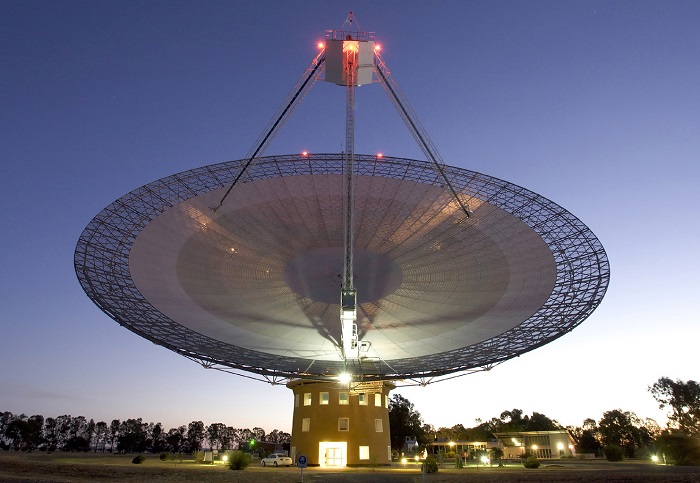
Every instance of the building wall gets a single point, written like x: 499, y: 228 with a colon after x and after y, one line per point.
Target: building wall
x: 320, y: 436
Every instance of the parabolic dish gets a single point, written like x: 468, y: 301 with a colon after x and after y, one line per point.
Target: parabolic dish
x: 255, y: 285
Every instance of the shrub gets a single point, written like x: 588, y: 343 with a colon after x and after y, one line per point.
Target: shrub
x: 531, y: 462
x: 613, y: 452
x: 139, y: 459
x: 431, y: 465
x: 164, y: 456
x: 458, y: 463
x: 238, y: 460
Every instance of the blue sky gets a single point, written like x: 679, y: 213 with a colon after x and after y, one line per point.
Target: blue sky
x: 594, y: 105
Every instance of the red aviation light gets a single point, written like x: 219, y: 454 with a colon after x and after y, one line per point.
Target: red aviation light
x: 380, y: 155
x: 377, y: 47
x: 304, y: 153
x: 320, y: 45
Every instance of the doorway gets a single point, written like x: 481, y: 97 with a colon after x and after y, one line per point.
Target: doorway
x: 333, y: 453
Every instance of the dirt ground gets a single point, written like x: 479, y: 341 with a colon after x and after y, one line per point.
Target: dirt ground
x: 71, y: 467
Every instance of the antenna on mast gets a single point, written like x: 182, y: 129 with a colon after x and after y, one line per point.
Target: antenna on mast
x: 349, y: 20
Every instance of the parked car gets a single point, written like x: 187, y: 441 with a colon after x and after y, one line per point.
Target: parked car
x: 277, y: 460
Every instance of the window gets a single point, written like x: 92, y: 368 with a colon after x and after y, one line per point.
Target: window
x: 305, y: 425
x: 378, y: 426
x: 386, y: 402
x: 307, y: 399
x: 388, y: 452
x: 343, y: 424
x: 363, y: 399
x: 377, y: 400
x: 323, y: 398
x: 364, y: 452
x: 296, y: 400
x: 343, y: 398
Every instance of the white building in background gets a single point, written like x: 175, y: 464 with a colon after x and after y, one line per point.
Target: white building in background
x: 541, y: 444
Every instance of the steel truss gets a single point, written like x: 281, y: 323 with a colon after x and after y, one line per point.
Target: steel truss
x: 102, y: 267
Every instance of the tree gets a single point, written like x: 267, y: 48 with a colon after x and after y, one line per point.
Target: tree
x: 277, y: 436
x: 195, y: 435
x: 404, y: 421
x: 50, y: 435
x: 623, y: 429
x: 113, y: 433
x: 679, y: 448
x: 228, y: 437
x: 132, y: 436
x: 540, y: 422
x: 101, y: 435
x: 215, y: 433
x: 683, y: 398
x: 587, y: 437
x: 512, y: 421
x: 175, y: 438
x: 5, y: 419
x: 158, y: 442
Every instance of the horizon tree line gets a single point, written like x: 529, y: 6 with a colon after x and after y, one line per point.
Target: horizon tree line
x: 77, y: 433
x: 623, y: 429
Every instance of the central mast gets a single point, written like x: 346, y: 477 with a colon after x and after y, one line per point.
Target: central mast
x: 348, y: 297
x: 350, y: 63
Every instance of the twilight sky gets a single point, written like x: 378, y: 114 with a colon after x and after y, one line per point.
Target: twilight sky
x: 594, y: 105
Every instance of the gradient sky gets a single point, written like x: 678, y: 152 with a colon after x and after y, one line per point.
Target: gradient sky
x: 594, y: 105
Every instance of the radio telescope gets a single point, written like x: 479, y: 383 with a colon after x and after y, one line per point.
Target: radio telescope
x: 309, y: 268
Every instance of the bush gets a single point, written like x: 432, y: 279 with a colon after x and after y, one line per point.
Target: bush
x: 431, y: 465
x: 139, y: 459
x: 164, y: 456
x: 679, y: 448
x: 238, y: 460
x: 458, y: 463
x: 531, y: 462
x: 613, y: 452
x: 198, y: 456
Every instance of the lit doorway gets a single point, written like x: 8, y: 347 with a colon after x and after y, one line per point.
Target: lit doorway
x: 333, y: 453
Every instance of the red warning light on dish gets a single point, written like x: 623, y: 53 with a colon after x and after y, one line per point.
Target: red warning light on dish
x: 304, y: 153
x: 380, y: 155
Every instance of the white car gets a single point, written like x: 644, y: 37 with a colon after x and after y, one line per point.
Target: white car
x: 277, y: 460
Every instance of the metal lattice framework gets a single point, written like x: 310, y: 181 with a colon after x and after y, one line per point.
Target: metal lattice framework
x: 103, y: 253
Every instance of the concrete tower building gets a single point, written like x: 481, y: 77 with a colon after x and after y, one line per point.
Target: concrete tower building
x: 334, y: 425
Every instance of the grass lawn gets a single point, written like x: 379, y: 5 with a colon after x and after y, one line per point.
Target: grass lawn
x: 90, y: 467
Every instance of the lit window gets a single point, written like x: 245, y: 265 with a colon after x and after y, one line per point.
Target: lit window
x: 343, y: 398
x: 386, y: 402
x: 388, y: 452
x: 363, y: 399
x: 307, y: 399
x: 343, y: 424
x: 378, y: 400
x: 364, y: 452
x: 305, y: 424
x: 323, y: 398
x: 296, y: 400
x: 378, y: 427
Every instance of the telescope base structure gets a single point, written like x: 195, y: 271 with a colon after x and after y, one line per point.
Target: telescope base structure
x: 338, y: 424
